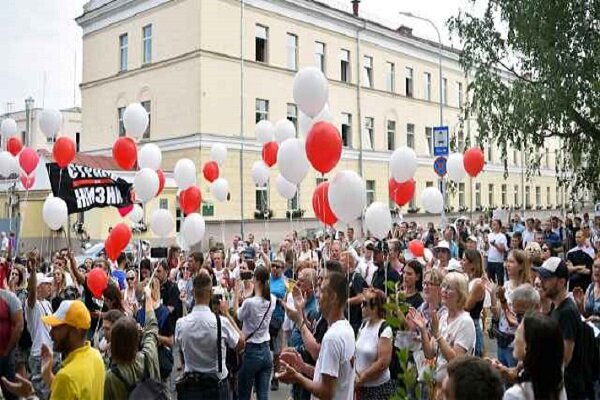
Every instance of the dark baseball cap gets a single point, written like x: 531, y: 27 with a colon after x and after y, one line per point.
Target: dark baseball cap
x: 378, y: 246
x: 553, y: 267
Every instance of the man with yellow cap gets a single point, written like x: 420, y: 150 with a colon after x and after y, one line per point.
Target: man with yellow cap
x: 82, y: 372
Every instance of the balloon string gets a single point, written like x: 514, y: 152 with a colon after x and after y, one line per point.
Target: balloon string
x: 22, y: 222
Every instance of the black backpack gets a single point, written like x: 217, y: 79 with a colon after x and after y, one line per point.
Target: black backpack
x: 146, y: 389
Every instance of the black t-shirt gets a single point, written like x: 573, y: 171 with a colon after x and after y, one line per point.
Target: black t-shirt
x: 568, y: 318
x: 169, y: 293
x: 88, y: 300
x: 580, y: 257
x: 357, y: 285
x: 415, y: 300
x: 379, y: 277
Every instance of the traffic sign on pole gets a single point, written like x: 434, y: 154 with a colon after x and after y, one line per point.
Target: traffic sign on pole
x: 440, y: 141
x: 439, y: 166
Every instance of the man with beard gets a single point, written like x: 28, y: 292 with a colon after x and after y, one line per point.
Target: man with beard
x: 82, y: 373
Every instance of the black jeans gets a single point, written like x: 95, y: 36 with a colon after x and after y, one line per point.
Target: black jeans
x: 495, y: 272
x: 202, y: 389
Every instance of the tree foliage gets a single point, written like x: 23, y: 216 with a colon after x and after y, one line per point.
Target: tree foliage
x: 534, y: 70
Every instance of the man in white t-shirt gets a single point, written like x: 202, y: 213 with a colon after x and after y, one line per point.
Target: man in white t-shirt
x: 496, y: 253
x: 333, y: 375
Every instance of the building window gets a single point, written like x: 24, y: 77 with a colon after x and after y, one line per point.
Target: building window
x: 516, y: 195
x: 477, y: 194
x: 429, y: 137
x: 292, y: 51
x: 557, y: 195
x: 123, y: 50
x: 368, y: 70
x: 459, y: 94
x: 345, y: 65
x: 538, y: 195
x: 77, y: 141
x: 390, y: 77
x: 547, y: 157
x: 120, y: 112
x: 427, y: 88
x: 147, y: 43
x: 163, y: 204
x: 408, y: 82
x: 391, y: 135
x: 548, y: 199
x: 370, y: 191
x: 370, y: 132
x: 320, y: 56
x: 293, y: 203
x: 148, y: 106
x: 491, y: 195
x: 346, y: 130
x: 261, y: 197
x: 515, y: 157
x: 429, y: 184
x: 262, y: 43
x: 24, y: 138
x: 461, y: 195
x: 321, y: 180
x: 504, y: 202
x: 490, y: 152
x: 262, y: 110
x: 527, y: 196
x: 460, y: 142
x: 292, y: 115
x: 410, y: 135
x: 445, y: 91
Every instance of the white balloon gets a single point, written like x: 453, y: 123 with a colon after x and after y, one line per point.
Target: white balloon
x: 260, y: 173
x: 162, y: 222
x: 55, y: 212
x: 150, y: 156
x: 291, y: 160
x: 324, y: 115
x: 432, y: 200
x: 184, y: 173
x: 8, y: 127
x: 137, y: 214
x: 286, y: 189
x: 265, y: 131
x: 193, y: 229
x: 403, y: 164
x: 50, y: 122
x: 347, y: 196
x: 146, y: 184
x: 220, y: 189
x: 7, y: 164
x: 284, y: 129
x: 305, y: 123
x: 218, y: 153
x: 455, y: 167
x: 378, y: 219
x: 310, y: 90
x: 135, y: 120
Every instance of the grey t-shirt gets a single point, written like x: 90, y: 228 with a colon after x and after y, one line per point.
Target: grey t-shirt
x: 9, y: 306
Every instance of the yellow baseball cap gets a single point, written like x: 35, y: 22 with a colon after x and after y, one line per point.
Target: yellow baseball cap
x: 70, y: 312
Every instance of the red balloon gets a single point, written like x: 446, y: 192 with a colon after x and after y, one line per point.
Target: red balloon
x: 161, y: 181
x: 402, y: 192
x: 269, y: 153
x: 416, y: 248
x: 112, y: 253
x: 120, y: 236
x: 320, y: 203
x: 28, y: 160
x: 323, y: 146
x: 473, y: 161
x: 123, y: 211
x: 97, y: 281
x: 27, y: 181
x: 14, y: 145
x: 63, y: 151
x: 210, y: 171
x: 190, y: 199
x: 125, y: 152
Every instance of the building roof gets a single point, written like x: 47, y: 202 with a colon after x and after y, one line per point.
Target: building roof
x: 93, y: 161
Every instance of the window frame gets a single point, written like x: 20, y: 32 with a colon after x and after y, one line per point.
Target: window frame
x: 321, y: 57
x: 390, y: 134
x: 409, y: 82
x: 346, y: 121
x: 292, y: 48
x: 345, y: 66
x: 410, y: 135
x: 146, y: 45
x: 265, y: 43
x: 258, y: 111
x: 368, y: 70
x: 123, y: 52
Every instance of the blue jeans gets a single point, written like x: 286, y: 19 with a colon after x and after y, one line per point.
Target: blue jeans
x: 505, y: 356
x: 255, y: 371
x: 7, y: 370
x: 478, y: 338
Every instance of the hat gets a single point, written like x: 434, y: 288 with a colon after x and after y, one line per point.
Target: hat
x: 442, y: 244
x: 377, y: 245
x: 70, y: 312
x: 454, y: 266
x: 249, y: 253
x: 472, y: 238
x: 553, y: 267
x: 41, y: 278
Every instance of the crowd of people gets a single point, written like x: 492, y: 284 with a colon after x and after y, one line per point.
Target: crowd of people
x: 490, y: 309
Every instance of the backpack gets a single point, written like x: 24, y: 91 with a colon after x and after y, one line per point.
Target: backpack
x: 145, y: 389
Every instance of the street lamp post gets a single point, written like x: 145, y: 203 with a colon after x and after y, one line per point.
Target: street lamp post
x: 437, y: 31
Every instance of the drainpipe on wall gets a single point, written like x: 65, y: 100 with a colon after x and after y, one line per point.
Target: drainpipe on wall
x: 242, y: 115
x: 358, y: 102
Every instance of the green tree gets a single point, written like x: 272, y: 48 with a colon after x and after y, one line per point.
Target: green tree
x: 534, y: 70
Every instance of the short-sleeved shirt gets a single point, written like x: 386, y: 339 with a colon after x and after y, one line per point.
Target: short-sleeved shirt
x: 579, y: 256
x: 311, y: 313
x: 278, y: 289
x: 460, y: 332
x: 196, y: 335
x: 9, y: 306
x: 335, y: 359
x: 169, y: 294
x: 493, y: 254
x: 81, y: 376
x: 379, y: 277
x: 252, y: 314
x: 40, y: 332
x: 367, y: 347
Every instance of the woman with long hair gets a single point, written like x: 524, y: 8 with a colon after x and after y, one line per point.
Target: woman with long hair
x: 472, y: 265
x: 58, y: 287
x: 589, y: 303
x: 255, y: 315
x: 413, y: 283
x: 539, y: 346
x: 113, y: 299
x: 374, y: 349
x: 129, y: 296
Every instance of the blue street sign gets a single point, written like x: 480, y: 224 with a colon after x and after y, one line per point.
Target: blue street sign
x: 440, y: 141
x: 439, y: 166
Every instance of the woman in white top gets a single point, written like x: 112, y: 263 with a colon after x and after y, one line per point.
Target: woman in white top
x: 539, y: 346
x: 374, y: 350
x: 307, y: 253
x: 452, y: 334
x: 255, y: 316
x: 130, y: 301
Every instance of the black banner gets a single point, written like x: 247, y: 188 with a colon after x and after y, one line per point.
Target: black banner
x: 84, y: 188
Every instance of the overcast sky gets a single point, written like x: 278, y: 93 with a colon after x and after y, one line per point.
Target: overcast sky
x: 40, y: 41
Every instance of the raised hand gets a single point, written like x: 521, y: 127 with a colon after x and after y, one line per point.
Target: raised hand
x: 435, y: 324
x: 21, y: 387
x: 47, y: 363
x: 287, y: 374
